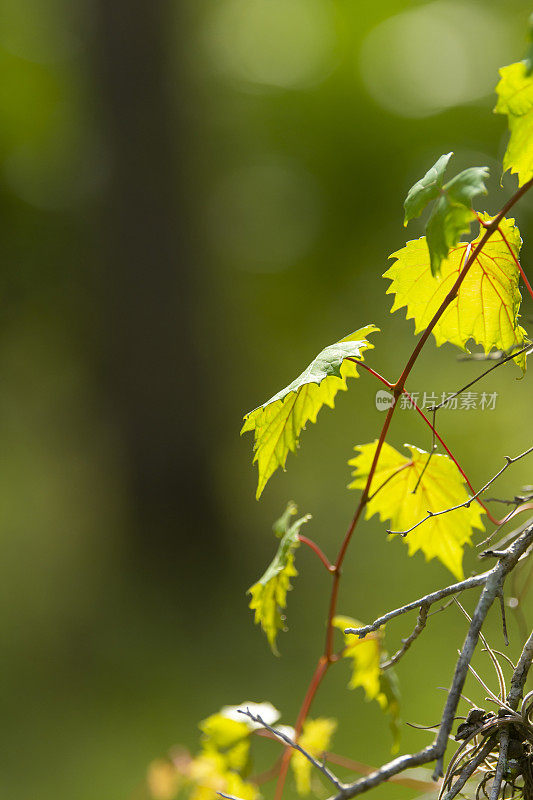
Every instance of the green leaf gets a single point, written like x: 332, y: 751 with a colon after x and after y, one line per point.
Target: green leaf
x: 486, y: 308
x: 277, y: 424
x: 315, y: 739
x: 269, y: 594
x: 440, y: 487
x: 281, y: 525
x: 389, y: 700
x: 452, y: 213
x: 426, y: 189
x: 515, y: 100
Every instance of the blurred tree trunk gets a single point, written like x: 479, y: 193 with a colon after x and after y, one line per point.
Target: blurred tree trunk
x: 150, y: 284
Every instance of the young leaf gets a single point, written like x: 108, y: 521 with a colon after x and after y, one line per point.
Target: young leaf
x: 315, y: 739
x: 278, y: 422
x: 487, y: 305
x: 426, y: 189
x: 452, y: 213
x: 366, y: 655
x: 229, y: 738
x: 515, y: 99
x: 441, y: 487
x: 269, y: 594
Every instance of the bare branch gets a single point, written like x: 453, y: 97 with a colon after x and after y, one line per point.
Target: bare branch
x: 428, y: 599
x: 493, y: 583
x: 466, y: 504
x: 518, y: 680
x: 419, y: 627
x: 502, y: 764
x: 483, y: 357
x: 469, y: 770
x: 291, y: 743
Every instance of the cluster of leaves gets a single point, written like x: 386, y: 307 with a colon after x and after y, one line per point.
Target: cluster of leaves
x: 483, y: 310
x: 405, y: 490
x: 224, y: 762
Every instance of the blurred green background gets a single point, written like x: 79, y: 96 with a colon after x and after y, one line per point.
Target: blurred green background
x: 197, y: 197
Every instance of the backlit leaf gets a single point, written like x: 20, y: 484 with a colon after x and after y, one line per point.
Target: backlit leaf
x: 208, y: 774
x: 486, y: 308
x: 452, y: 214
x: 277, y: 424
x: 315, y: 739
x: 366, y: 655
x: 269, y: 594
x: 441, y: 487
x: 515, y: 99
x: 229, y: 738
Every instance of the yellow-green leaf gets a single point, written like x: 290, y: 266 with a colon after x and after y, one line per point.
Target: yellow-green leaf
x: 208, y: 774
x: 488, y: 302
x: 515, y: 99
x: 366, y: 655
x: 269, y: 594
x: 277, y: 424
x: 229, y: 738
x: 315, y: 739
x: 442, y: 486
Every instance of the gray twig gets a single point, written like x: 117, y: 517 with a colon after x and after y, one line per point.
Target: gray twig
x: 518, y: 680
x: 228, y: 796
x: 469, y: 770
x: 483, y: 357
x: 320, y: 765
x: 466, y: 504
x: 428, y: 599
x: 419, y: 627
x: 501, y: 765
x: 493, y: 582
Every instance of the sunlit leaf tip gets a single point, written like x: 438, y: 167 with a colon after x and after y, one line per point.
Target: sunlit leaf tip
x: 277, y: 424
x: 315, y: 739
x: 439, y: 485
x: 269, y: 594
x: 486, y: 308
x: 515, y: 100
x: 452, y: 214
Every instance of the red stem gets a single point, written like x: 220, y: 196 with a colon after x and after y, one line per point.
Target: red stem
x: 316, y: 549
x: 443, y: 443
x: 373, y: 372
x: 517, y: 262
x: 328, y: 657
